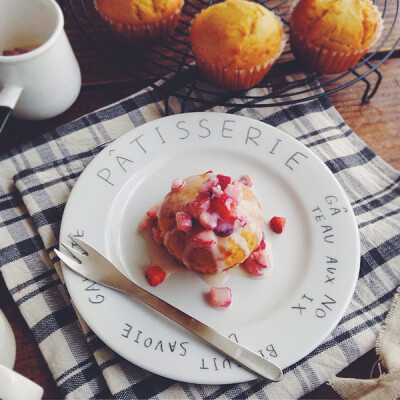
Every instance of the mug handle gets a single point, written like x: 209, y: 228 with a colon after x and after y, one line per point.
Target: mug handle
x: 8, y: 99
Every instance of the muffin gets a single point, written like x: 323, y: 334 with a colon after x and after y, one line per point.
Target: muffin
x: 330, y: 36
x: 210, y: 223
x: 235, y: 43
x: 141, y: 21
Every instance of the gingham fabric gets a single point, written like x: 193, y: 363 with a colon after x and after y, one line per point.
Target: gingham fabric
x: 36, y: 179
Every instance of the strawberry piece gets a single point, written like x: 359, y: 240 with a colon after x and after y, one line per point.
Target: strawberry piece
x: 155, y: 275
x: 235, y: 191
x: 247, y: 180
x: 203, y: 239
x: 208, y: 184
x: 146, y: 224
x: 261, y: 246
x: 199, y: 204
x: 256, y: 263
x: 152, y: 213
x: 220, y: 296
x: 224, y: 180
x: 217, y: 192
x: 157, y: 235
x: 225, y: 206
x: 277, y: 224
x: 177, y: 184
x: 261, y: 258
x: 223, y: 228
x: 242, y: 220
x: 258, y: 260
x: 253, y: 267
x: 208, y: 220
x: 183, y: 221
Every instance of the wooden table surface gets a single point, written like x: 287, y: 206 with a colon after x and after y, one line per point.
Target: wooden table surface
x: 103, y: 83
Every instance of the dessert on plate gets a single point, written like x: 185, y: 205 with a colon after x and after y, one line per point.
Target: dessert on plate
x: 211, y: 223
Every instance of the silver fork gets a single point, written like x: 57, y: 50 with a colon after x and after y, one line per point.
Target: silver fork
x: 95, y: 267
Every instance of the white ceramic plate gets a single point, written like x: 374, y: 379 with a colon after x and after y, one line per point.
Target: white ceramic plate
x: 282, y: 316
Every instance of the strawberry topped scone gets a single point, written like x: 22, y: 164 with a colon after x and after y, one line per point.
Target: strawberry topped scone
x: 211, y: 223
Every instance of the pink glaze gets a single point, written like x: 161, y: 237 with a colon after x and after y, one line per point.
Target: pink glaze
x: 177, y: 184
x: 183, y: 221
x: 152, y: 213
x: 215, y: 217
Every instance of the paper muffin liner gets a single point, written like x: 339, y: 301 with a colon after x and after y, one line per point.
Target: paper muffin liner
x: 238, y: 79
x: 233, y: 79
x: 323, y: 60
x: 147, y: 32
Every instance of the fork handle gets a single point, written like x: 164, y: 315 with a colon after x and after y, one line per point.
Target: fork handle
x: 243, y: 356
x: 106, y: 274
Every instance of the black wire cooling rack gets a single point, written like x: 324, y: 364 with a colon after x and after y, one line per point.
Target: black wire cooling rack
x: 286, y: 83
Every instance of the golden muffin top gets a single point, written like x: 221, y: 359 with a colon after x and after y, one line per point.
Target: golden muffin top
x: 137, y: 11
x: 338, y: 25
x: 237, y: 34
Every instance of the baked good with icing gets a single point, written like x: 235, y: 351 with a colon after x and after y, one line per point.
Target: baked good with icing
x: 211, y: 222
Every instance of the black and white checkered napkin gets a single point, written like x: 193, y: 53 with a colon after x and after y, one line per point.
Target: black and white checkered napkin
x: 35, y: 182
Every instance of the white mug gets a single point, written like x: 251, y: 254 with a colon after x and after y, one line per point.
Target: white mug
x: 7, y: 343
x: 45, y: 81
x: 13, y: 386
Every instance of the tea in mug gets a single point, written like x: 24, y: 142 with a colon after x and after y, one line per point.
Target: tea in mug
x: 20, y: 50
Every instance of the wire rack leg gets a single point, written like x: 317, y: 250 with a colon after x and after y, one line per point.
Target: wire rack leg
x: 368, y: 92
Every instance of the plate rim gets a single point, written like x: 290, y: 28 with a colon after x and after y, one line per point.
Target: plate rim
x: 292, y: 139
